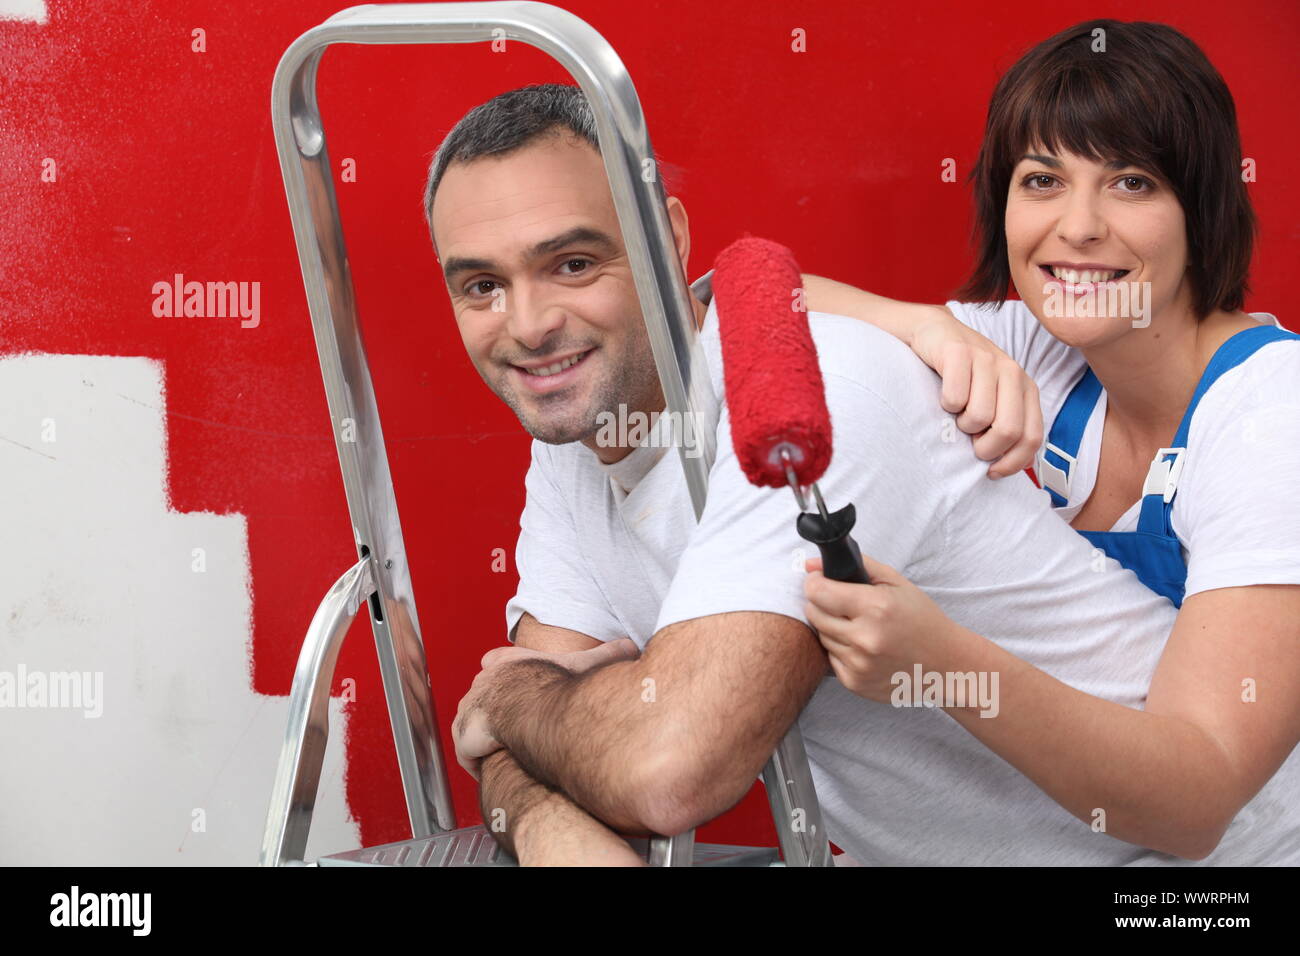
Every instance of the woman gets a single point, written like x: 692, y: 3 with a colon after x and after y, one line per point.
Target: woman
x: 1109, y: 191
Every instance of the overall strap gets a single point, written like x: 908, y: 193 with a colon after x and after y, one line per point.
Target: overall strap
x: 1054, y: 464
x: 1162, y: 479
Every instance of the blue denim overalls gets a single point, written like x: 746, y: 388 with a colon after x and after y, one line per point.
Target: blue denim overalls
x: 1152, y: 552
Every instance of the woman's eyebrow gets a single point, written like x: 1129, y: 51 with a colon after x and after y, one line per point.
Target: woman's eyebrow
x: 1045, y: 160
x: 1056, y: 163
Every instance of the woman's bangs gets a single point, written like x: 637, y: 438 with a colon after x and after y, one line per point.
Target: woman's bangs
x: 1082, y: 113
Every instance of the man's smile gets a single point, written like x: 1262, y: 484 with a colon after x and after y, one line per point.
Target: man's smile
x: 542, y: 379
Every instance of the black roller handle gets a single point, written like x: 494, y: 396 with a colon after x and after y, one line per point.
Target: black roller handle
x: 841, y: 556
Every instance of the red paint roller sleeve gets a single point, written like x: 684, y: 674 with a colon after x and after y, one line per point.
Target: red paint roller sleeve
x: 775, y: 393
x: 773, y: 382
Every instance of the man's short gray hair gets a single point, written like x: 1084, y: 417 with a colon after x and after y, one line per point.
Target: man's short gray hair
x: 509, y: 122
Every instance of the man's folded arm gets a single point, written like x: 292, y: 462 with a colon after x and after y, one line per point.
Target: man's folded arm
x: 512, y: 802
x: 674, y: 738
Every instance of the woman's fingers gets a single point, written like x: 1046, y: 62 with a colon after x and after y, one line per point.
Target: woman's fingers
x: 831, y: 631
x: 878, y: 572
x: 1002, y: 413
x: 1008, y: 419
x: 837, y: 599
x: 990, y: 395
x: 840, y: 601
x: 956, y: 373
x: 981, y: 404
x: 1021, y: 455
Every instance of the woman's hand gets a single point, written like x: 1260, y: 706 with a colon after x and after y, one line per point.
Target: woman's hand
x: 989, y: 393
x: 873, y: 631
x: 992, y: 397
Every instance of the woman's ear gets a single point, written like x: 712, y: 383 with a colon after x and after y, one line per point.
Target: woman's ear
x: 681, y: 231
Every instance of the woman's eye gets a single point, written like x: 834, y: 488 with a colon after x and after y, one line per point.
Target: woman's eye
x: 1033, y: 178
x: 1144, y: 184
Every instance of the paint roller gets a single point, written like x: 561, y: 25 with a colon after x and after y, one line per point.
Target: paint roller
x: 780, y: 425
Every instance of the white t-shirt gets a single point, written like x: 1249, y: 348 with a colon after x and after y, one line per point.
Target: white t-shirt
x: 1237, y: 510
x: 896, y: 785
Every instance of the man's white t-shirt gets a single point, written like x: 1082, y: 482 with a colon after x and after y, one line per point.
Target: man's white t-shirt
x: 1237, y: 511
x: 616, y: 551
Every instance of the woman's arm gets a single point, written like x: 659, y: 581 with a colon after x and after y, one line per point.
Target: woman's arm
x: 1221, y: 716
x: 989, y: 393
x: 899, y: 319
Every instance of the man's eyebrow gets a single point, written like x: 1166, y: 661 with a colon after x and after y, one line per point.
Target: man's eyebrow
x: 458, y: 264
x: 578, y: 234
x: 1056, y: 163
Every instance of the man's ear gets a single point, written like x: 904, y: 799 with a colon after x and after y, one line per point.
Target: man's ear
x: 681, y: 231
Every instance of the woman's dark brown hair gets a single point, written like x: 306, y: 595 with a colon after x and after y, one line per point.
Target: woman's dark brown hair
x: 1149, y: 98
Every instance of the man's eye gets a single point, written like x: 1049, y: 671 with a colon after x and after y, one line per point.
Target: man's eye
x: 580, y: 264
x: 478, y: 288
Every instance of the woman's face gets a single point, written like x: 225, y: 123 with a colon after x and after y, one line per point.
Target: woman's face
x: 1070, y: 214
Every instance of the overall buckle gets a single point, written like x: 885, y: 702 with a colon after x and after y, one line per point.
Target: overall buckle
x: 1051, y: 477
x: 1162, y: 476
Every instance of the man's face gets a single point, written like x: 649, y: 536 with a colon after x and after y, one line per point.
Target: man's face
x: 538, y: 276
x: 1068, y: 210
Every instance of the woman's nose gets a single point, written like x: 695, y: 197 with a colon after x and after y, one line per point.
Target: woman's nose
x: 1081, y: 219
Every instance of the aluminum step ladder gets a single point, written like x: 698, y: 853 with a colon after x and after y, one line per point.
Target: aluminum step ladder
x: 381, y: 578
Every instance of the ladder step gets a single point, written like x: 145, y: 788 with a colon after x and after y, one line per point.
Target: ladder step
x: 474, y: 846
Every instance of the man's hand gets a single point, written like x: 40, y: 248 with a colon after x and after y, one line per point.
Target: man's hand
x: 576, y: 662
x: 472, y: 728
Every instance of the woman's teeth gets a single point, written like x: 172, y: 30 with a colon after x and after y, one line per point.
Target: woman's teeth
x: 1077, y: 277
x: 558, y: 366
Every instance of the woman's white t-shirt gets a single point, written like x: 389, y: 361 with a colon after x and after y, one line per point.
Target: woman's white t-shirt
x: 1237, y: 510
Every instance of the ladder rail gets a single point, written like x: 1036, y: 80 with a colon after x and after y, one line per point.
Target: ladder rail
x: 297, y: 778
x: 670, y: 322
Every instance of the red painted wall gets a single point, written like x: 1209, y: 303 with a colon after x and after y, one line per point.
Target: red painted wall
x: 166, y: 164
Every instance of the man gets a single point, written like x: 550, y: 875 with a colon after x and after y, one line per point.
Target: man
x: 588, y: 741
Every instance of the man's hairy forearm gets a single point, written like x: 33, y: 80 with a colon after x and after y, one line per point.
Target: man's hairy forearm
x: 515, y: 807
x: 506, y: 795
x: 582, y: 733
x: 672, y: 738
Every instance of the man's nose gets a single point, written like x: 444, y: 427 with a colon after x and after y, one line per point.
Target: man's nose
x: 532, y: 316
